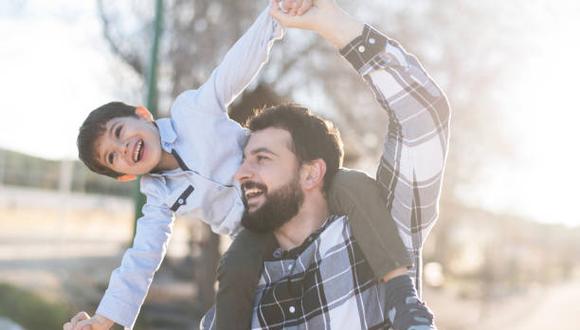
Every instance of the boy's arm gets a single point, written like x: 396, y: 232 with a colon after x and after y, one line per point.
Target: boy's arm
x: 360, y: 197
x: 238, y: 68
x: 130, y: 283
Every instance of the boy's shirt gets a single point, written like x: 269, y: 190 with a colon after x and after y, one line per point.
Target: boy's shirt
x: 209, y: 147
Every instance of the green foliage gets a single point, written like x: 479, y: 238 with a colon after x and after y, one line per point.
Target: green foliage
x: 18, y: 169
x: 30, y: 310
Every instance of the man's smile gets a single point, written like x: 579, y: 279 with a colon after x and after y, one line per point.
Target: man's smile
x: 253, y: 191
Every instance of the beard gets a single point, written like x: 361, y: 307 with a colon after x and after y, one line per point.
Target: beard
x: 279, y: 207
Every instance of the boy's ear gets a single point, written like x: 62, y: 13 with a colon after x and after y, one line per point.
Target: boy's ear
x: 126, y: 178
x: 143, y: 113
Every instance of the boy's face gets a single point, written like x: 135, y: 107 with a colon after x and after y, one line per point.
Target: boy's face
x: 129, y: 145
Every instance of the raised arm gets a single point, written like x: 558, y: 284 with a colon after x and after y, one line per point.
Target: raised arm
x: 415, y: 147
x: 238, y: 68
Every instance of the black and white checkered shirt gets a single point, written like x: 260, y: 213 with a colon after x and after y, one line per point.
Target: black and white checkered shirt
x: 326, y: 283
x: 415, y: 147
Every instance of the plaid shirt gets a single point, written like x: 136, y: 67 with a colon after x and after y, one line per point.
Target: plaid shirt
x: 415, y: 147
x: 326, y: 283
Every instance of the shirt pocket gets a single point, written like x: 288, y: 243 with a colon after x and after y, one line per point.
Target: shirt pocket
x: 197, y: 193
x: 179, y: 200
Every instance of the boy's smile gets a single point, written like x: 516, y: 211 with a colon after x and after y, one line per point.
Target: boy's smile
x: 129, y: 145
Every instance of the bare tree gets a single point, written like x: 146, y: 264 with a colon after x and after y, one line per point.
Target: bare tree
x: 466, y: 46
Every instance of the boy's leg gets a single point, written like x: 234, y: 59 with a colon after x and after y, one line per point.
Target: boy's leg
x: 238, y: 273
x: 357, y: 195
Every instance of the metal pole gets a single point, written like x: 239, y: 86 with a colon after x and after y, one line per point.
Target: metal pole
x: 151, y: 97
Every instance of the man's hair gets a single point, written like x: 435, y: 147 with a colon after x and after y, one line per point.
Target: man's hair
x: 313, y: 137
x: 92, y: 129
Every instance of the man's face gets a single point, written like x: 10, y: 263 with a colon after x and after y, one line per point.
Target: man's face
x: 129, y: 145
x: 270, y: 180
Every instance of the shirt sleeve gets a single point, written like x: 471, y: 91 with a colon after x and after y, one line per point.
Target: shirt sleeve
x: 130, y: 283
x: 239, y: 67
x: 415, y: 146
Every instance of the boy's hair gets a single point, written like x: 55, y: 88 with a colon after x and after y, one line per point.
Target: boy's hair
x: 92, y: 129
x: 313, y: 137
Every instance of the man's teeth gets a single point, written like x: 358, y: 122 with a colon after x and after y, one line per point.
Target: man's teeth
x: 253, y: 192
x: 137, y: 151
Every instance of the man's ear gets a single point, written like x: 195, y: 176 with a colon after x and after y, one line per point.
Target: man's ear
x: 126, y: 178
x: 143, y: 113
x: 313, y: 174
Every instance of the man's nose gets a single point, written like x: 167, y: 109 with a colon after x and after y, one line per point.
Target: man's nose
x: 244, y: 173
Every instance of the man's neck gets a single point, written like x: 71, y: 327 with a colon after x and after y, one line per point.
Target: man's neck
x: 312, y: 214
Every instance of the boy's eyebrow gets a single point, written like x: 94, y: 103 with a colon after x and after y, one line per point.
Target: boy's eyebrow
x: 111, y: 131
x: 108, y: 132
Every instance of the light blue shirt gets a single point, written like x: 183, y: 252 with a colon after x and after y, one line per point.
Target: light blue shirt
x: 210, y: 146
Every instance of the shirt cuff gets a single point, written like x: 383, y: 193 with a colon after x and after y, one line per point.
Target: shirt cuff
x: 362, y: 49
x: 118, y: 311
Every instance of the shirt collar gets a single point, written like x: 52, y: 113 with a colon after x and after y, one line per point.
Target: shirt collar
x: 166, y: 133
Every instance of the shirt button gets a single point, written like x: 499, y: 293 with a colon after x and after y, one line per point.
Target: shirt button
x: 361, y: 49
x: 372, y: 41
x: 292, y: 309
x: 289, y: 267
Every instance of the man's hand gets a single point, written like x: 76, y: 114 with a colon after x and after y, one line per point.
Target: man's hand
x: 324, y: 17
x: 82, y: 321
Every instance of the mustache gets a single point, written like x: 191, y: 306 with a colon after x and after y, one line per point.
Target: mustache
x: 251, y: 184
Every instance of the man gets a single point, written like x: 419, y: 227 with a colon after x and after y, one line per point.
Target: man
x: 318, y: 278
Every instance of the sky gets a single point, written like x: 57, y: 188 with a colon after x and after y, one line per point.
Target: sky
x: 55, y: 68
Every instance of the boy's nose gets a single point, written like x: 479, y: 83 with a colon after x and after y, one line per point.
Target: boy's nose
x: 123, y: 148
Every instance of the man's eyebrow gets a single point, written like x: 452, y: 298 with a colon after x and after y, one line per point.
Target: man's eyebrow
x: 262, y: 149
x: 259, y: 150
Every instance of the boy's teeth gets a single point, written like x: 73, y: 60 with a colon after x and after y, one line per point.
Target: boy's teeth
x: 137, y: 150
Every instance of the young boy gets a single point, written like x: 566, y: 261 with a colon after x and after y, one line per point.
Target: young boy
x: 188, y: 162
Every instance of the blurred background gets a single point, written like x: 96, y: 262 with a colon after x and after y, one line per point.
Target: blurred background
x: 506, y: 250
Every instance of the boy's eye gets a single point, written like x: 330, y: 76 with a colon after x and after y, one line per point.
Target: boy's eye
x: 118, y: 131
x: 110, y: 158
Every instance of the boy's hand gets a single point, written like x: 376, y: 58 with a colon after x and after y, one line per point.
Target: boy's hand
x: 324, y: 17
x: 301, y: 14
x: 295, y: 7
x: 82, y: 321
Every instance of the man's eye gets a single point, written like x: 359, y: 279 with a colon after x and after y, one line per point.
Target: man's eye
x: 118, y: 131
x: 261, y: 158
x: 110, y: 158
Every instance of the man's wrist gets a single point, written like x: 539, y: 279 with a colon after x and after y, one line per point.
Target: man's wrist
x: 340, y: 28
x: 361, y: 50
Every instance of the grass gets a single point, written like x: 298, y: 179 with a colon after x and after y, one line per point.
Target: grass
x: 29, y: 310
